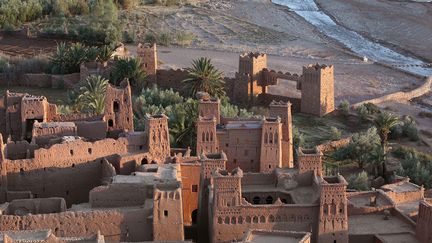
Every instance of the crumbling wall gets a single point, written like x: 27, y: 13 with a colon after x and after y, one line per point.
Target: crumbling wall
x: 129, y: 224
x: 265, y: 99
x: 22, y: 207
x: 120, y: 195
x: 68, y: 170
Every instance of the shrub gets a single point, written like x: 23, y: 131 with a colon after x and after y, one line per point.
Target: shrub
x: 150, y: 38
x: 335, y: 133
x: 363, y: 113
x: 344, y: 107
x: 185, y: 38
x: 409, y: 128
x: 131, y: 69
x: 68, y: 58
x: 164, y: 39
x: 4, y: 65
x: 359, y: 181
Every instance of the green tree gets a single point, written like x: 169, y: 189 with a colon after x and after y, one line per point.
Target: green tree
x: 89, y: 95
x: 205, y: 77
x: 131, y: 69
x: 359, y: 181
x: 384, y: 122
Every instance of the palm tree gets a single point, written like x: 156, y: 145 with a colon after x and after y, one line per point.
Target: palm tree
x: 91, y: 94
x: 203, y: 76
x: 129, y: 68
x: 384, y: 122
x: 105, y: 53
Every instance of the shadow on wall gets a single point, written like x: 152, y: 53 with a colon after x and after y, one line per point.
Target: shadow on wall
x: 71, y: 183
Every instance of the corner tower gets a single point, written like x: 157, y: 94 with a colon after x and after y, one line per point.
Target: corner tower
x: 310, y: 160
x: 227, y: 188
x: 168, y: 213
x: 333, y: 215
x: 148, y: 54
x: 317, y: 88
x: 271, y: 144
x: 253, y: 64
x: 157, y: 133
x: 283, y: 110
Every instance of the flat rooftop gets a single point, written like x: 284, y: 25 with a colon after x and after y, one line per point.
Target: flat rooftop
x: 261, y: 236
x: 363, y: 200
x: 374, y: 224
x: 26, y: 235
x: 243, y: 125
x: 398, y: 238
x: 401, y: 187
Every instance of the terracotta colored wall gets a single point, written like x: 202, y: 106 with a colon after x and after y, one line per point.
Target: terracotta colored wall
x: 68, y: 170
x: 125, y: 225
x: 190, y: 174
x: 120, y: 195
x: 242, y: 147
x: 232, y: 223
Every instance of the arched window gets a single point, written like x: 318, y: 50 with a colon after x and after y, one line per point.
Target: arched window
x: 255, y: 219
x: 144, y: 161
x: 269, y: 200
x: 116, y: 106
x: 248, y: 219
x: 219, y: 220
x: 256, y: 200
x: 240, y: 220
x: 271, y: 219
x: 203, y: 137
x: 262, y: 219
x: 266, y: 137
x: 227, y: 220
x: 233, y: 220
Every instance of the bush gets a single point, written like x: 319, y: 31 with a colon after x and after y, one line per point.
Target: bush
x: 68, y: 58
x: 185, y: 38
x: 335, y: 133
x: 344, y: 107
x: 363, y: 113
x: 164, y: 39
x: 127, y: 4
x: 131, y: 69
x: 4, y: 65
x: 150, y: 38
x: 359, y: 181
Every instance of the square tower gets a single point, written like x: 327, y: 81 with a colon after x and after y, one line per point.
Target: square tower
x: 310, y: 160
x: 167, y: 213
x: 317, y: 90
x: 283, y: 110
x: 157, y: 133
x: 209, y: 107
x: 206, y: 135
x: 148, y: 54
x: 424, y: 221
x: 253, y: 64
x: 333, y: 213
x: 227, y: 188
x: 118, y: 108
x: 271, y: 144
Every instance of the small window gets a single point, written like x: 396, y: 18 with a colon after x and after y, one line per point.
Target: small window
x: 235, y: 161
x: 116, y: 106
x: 110, y: 123
x: 226, y: 145
x: 194, y: 188
x: 73, y: 165
x: 67, y: 193
x: 166, y: 213
x: 21, y: 171
x: 71, y: 152
x: 89, y: 150
x: 269, y: 166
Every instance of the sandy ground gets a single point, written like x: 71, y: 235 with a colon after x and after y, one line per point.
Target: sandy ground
x: 401, y: 25
x: 239, y: 26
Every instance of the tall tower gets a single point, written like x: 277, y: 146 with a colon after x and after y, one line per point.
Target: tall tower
x: 148, y: 54
x: 310, y: 160
x: 209, y: 107
x: 209, y: 164
x: 317, y: 88
x: 253, y: 64
x: 333, y: 215
x: 168, y: 213
x: 158, y: 143
x: 271, y: 144
x: 206, y: 135
x: 118, y: 108
x: 283, y: 110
